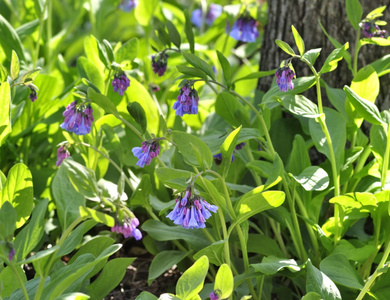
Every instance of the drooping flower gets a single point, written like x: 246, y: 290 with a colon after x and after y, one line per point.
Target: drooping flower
x: 11, y: 254
x: 284, y: 77
x: 78, y: 118
x: 149, y: 150
x: 240, y: 146
x: 160, y: 65
x: 33, y: 94
x: 214, y: 295
x: 187, y: 100
x: 370, y: 29
x: 245, y: 29
x: 120, y: 83
x: 128, y: 5
x: 213, y: 12
x: 218, y: 158
x: 191, y: 211
x: 62, y: 153
x: 128, y: 228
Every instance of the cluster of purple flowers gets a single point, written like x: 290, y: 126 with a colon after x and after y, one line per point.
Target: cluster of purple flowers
x: 120, y: 83
x: 62, y: 153
x: 160, y: 65
x: 128, y: 5
x: 187, y: 100
x: 218, y: 157
x: 213, y: 12
x: 244, y: 29
x: 370, y: 29
x: 128, y: 228
x: 214, y: 295
x: 191, y: 211
x: 33, y: 94
x: 284, y: 77
x: 78, y: 118
x: 149, y: 150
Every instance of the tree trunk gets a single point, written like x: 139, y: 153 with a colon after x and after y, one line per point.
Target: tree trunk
x: 305, y: 16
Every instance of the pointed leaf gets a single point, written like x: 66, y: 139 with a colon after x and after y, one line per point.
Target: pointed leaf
x: 354, y: 12
x: 298, y: 40
x: 198, y: 63
x: 285, y: 47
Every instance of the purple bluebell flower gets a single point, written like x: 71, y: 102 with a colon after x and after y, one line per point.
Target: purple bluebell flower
x: 128, y: 228
x: 33, y: 94
x: 213, y: 12
x: 370, y: 29
x: 11, y: 254
x: 191, y: 211
x: 159, y: 65
x: 187, y: 100
x: 149, y: 150
x: 128, y: 5
x: 218, y: 158
x: 214, y: 295
x: 245, y: 29
x: 78, y: 118
x: 240, y: 146
x: 284, y: 77
x: 120, y: 83
x: 62, y: 153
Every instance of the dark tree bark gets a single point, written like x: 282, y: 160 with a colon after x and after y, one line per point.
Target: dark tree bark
x: 305, y: 16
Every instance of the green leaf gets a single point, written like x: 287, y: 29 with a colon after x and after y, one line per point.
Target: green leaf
x: 299, y: 105
x: 285, y: 47
x: 299, y: 158
x: 318, y: 282
x: 29, y: 237
x: 94, y: 53
x: 128, y: 51
x: 109, y: 51
x: 227, y: 149
x: 381, y: 65
x: 144, y: 11
x: 30, y: 75
x: 368, y: 110
x: 73, y: 296
x: 174, y: 35
x: 375, y: 41
x: 312, y: 296
x: 137, y: 112
x: 146, y: 296
x: 191, y: 282
x: 188, y: 145
x: 87, y: 69
x: 255, y: 75
x: 9, y: 281
x: 227, y: 70
x: 18, y: 190
x: 312, y: 54
x: 271, y: 265
x: 332, y: 60
x: 5, y: 121
x: 354, y: 12
x: 112, y: 274
x: 3, y: 73
x: 174, y: 178
x: 214, y: 253
x: 7, y: 221
x: 191, y: 72
x: 355, y: 200
x: 298, y: 40
x: 188, y: 31
x: 338, y: 268
x: 10, y: 40
x: 229, y: 108
x: 14, y: 66
x: 103, y: 101
x: 98, y: 216
x: 163, y: 261
x: 224, y: 281
x: 376, y: 13
x: 195, y: 61
x: 313, y: 178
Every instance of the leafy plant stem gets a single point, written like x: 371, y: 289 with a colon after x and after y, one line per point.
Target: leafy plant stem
x: 385, y: 164
x: 135, y: 130
x: 13, y: 268
x: 276, y: 229
x: 41, y: 20
x: 49, y: 33
x: 356, y: 54
x: 359, y: 166
x: 108, y: 82
x: 256, y: 177
x: 377, y: 272
x: 260, y: 284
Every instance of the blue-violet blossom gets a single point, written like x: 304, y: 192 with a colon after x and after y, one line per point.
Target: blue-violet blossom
x: 213, y: 12
x: 214, y: 295
x: 120, y: 83
x: 62, y: 153
x: 33, y: 94
x: 218, y: 157
x: 128, y: 228
x: 284, y: 77
x: 11, y: 254
x: 149, y: 150
x: 160, y: 65
x: 370, y: 29
x: 128, y: 5
x: 187, y: 100
x: 245, y: 29
x: 191, y: 211
x: 78, y: 118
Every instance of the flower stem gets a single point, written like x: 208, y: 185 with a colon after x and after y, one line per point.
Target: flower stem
x: 356, y: 54
x: 135, y: 130
x: 13, y: 268
x: 41, y: 20
x: 385, y: 164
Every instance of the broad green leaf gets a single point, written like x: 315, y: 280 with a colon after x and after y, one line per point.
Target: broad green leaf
x: 174, y: 178
x: 3, y: 73
x: 112, y: 274
x: 188, y: 31
x: 8, y: 219
x: 214, y: 193
x: 271, y: 265
x: 144, y: 11
x: 109, y: 51
x: 312, y: 296
x: 376, y: 13
x: 94, y: 246
x: 5, y: 113
x: 299, y: 105
x: 189, y: 146
x: 191, y: 72
x: 195, y: 61
x: 18, y: 190
x: 285, y: 47
x: 313, y: 178
x: 338, y: 268
x: 255, y: 75
x: 163, y: 261
x: 360, y: 255
x: 29, y: 76
x: 103, y: 101
x: 31, y: 288
x: 378, y: 138
x: 137, y: 112
x: 355, y: 200
x: 227, y: 70
x: 10, y: 40
x: 127, y: 52
x: 354, y: 12
x: 229, y: 108
x: 381, y: 65
x: 91, y: 49
x: 268, y: 245
x: 299, y: 158
x: 98, y: 216
x: 227, y: 149
x: 376, y: 41
x: 191, y: 282
x: 298, y: 40
x: 29, y: 237
x: 214, y: 253
x: 10, y: 282
x: 14, y: 66
x: 224, y: 281
x: 332, y: 60
x: 146, y: 296
x: 174, y: 35
x: 318, y: 282
x: 312, y: 54
x: 87, y: 69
